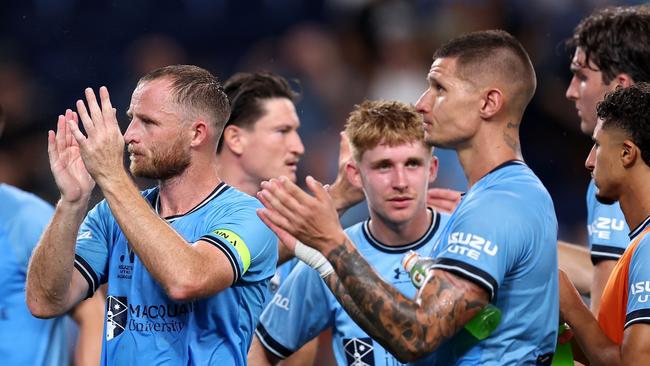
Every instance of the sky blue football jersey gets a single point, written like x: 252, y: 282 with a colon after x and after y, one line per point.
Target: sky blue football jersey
x: 143, y: 323
x: 24, y: 339
x: 607, y: 228
x: 503, y: 237
x: 304, y: 306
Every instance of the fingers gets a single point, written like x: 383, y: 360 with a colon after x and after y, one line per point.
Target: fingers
x: 317, y: 189
x: 86, y: 120
x: 60, y: 136
x: 108, y: 112
x: 52, y: 152
x: 78, y: 136
x: 93, y: 107
x: 345, y: 152
x: 274, y: 197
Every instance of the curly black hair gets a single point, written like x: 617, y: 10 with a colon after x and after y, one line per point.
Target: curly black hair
x: 628, y: 109
x: 616, y: 40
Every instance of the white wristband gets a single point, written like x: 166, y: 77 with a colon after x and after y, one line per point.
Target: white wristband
x: 314, y: 259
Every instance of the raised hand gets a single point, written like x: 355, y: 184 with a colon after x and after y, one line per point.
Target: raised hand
x: 343, y: 193
x: 291, y: 211
x: 103, y: 149
x: 68, y: 169
x: 442, y: 199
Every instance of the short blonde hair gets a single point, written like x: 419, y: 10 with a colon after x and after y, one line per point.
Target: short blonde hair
x: 383, y: 122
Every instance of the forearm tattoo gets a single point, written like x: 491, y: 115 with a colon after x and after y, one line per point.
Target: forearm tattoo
x: 406, y: 328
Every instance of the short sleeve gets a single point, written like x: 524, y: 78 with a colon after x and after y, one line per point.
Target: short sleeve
x: 27, y: 228
x: 607, y: 229
x: 298, y: 312
x: 481, y: 241
x: 638, y: 297
x: 91, y: 253
x: 249, y: 245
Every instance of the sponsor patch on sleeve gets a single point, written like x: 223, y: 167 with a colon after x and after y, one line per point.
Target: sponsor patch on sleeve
x: 238, y: 243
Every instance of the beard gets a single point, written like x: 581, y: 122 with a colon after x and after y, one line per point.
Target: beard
x: 605, y: 200
x: 166, y: 162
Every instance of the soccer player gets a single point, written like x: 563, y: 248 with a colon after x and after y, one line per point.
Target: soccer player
x: 187, y: 263
x: 611, y: 50
x: 619, y: 162
x: 260, y: 141
x: 26, y: 340
x: 499, y: 245
x: 393, y: 165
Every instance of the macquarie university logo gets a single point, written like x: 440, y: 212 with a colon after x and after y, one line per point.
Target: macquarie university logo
x: 116, y: 314
x: 359, y: 351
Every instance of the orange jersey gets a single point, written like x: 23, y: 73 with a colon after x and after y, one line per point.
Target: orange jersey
x: 617, y: 309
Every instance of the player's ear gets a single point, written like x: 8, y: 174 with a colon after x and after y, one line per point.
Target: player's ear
x: 352, y: 171
x: 629, y: 153
x: 433, y: 168
x: 199, y: 132
x: 491, y: 103
x: 234, y: 139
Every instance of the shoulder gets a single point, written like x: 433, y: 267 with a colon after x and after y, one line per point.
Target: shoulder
x: 20, y: 205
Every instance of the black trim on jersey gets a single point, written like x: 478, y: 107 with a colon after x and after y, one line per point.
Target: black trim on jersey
x: 601, y: 253
x: 271, y: 344
x: 636, y: 317
x: 505, y: 164
x: 433, y: 227
x: 645, y: 223
x: 219, y: 189
x: 229, y: 254
x: 470, y: 273
x: 88, y: 273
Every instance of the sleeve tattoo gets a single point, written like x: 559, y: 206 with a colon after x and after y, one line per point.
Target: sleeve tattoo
x: 409, y: 329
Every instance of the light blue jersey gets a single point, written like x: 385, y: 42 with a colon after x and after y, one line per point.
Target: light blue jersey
x: 304, y: 305
x: 638, y: 297
x: 24, y: 339
x: 607, y: 228
x: 143, y: 323
x: 503, y: 237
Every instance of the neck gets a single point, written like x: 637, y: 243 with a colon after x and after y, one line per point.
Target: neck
x: 229, y: 169
x: 183, y: 192
x: 488, y: 149
x: 395, y: 234
x: 634, y: 199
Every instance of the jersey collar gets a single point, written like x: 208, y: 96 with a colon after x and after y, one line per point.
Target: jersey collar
x: 218, y: 190
x: 644, y: 224
x: 433, y: 227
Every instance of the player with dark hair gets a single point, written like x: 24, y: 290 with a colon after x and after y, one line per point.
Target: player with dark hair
x: 499, y: 245
x: 611, y: 49
x: 619, y: 162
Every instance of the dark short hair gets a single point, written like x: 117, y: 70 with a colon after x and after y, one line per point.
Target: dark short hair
x: 494, y: 52
x: 628, y: 109
x: 195, y: 89
x: 616, y: 40
x: 246, y: 92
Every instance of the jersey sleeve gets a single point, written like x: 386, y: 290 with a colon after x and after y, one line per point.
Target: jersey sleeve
x: 91, y: 253
x: 638, y: 297
x: 30, y: 222
x: 482, y: 241
x: 249, y: 245
x: 298, y: 312
x: 607, y: 229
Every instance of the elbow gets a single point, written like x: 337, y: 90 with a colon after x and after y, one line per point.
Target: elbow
x: 406, y: 352
x: 39, y: 309
x: 184, y: 290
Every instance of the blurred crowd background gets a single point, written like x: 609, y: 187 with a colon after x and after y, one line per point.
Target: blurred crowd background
x: 341, y: 51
